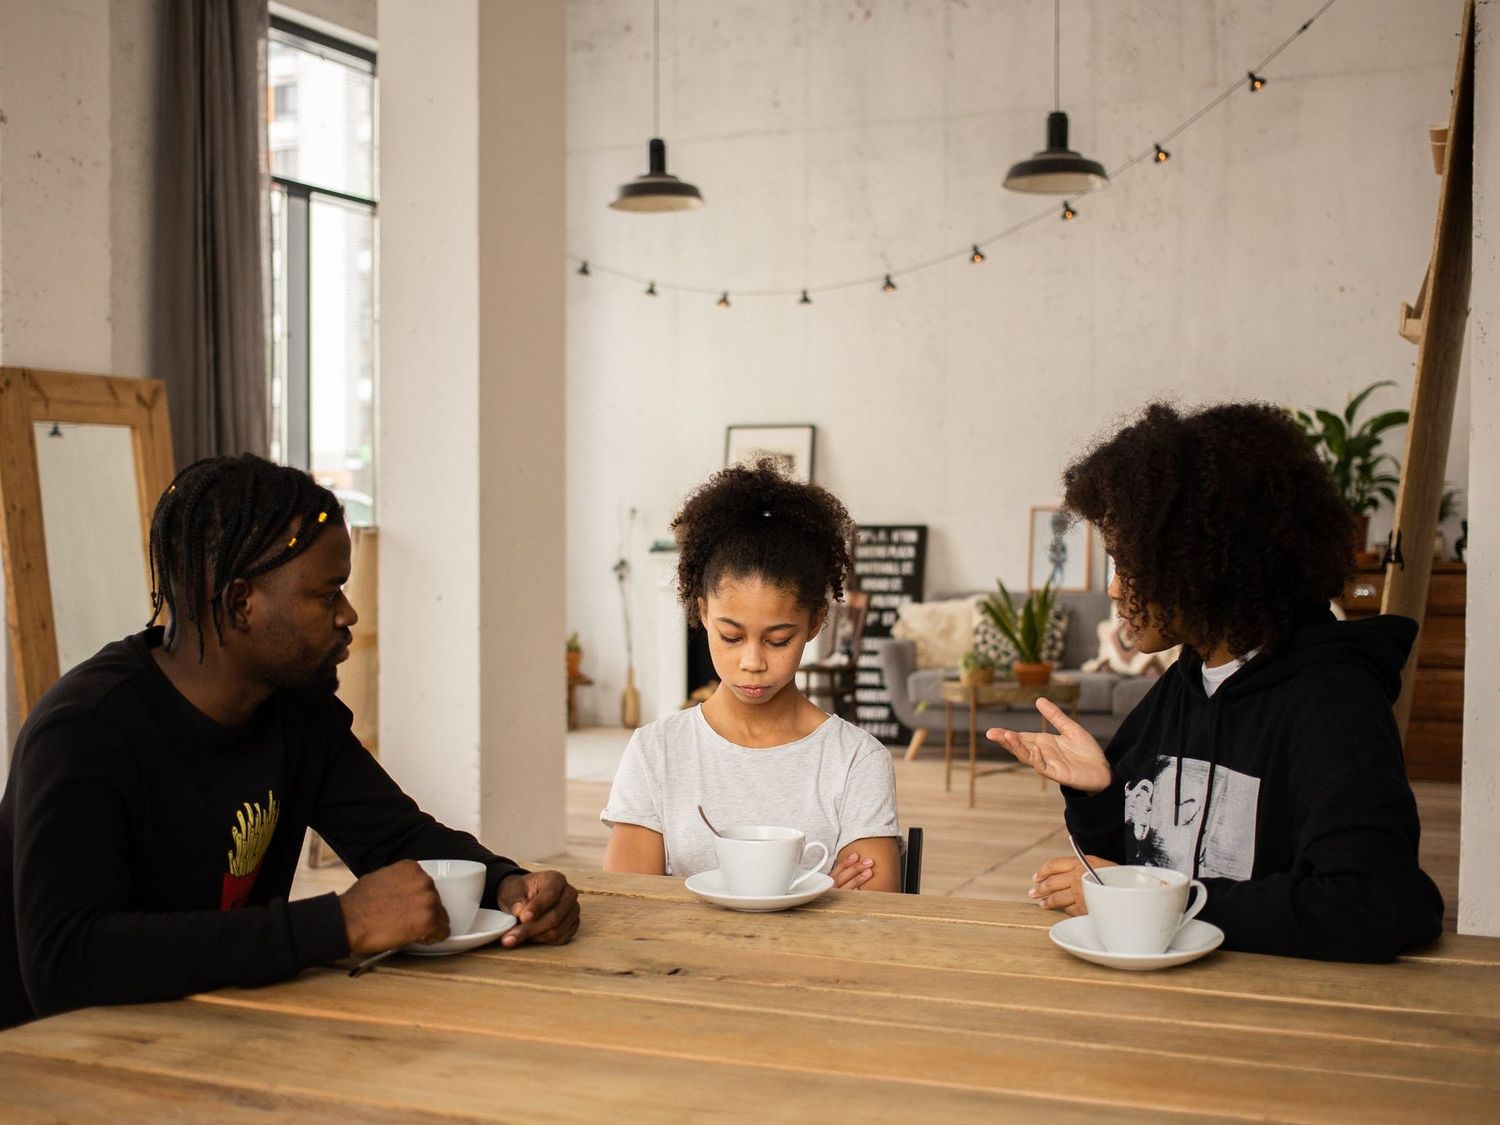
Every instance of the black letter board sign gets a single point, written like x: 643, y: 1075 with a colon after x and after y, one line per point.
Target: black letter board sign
x: 889, y: 565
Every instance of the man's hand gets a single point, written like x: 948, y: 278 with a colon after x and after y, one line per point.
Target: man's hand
x: 392, y: 907
x: 1058, y: 884
x: 1070, y: 757
x: 545, y: 906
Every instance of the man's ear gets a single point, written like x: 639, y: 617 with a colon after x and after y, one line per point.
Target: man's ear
x: 236, y: 603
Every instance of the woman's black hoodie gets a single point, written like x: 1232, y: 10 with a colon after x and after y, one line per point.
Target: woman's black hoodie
x: 1285, y: 792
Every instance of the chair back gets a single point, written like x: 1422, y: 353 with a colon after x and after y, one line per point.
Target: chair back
x: 911, y: 866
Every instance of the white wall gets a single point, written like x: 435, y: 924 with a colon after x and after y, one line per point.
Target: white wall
x: 76, y: 150
x: 1478, y: 874
x: 839, y: 139
x: 471, y: 425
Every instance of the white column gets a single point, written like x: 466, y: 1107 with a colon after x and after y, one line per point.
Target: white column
x: 471, y: 408
x: 1479, y: 844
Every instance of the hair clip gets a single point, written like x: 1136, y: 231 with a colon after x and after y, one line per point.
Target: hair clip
x: 322, y: 517
x: 171, y: 488
x: 766, y: 513
x: 292, y: 542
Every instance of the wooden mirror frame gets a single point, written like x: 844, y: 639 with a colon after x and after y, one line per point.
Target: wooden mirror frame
x: 28, y: 396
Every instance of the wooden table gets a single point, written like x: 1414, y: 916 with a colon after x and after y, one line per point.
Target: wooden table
x: 575, y: 681
x: 859, y: 1007
x: 1062, y: 690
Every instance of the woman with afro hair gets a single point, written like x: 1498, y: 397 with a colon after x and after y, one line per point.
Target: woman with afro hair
x: 1266, y: 761
x: 759, y: 557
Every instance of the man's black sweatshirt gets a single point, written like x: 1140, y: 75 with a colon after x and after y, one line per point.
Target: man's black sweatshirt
x: 146, y: 851
x: 1285, y: 792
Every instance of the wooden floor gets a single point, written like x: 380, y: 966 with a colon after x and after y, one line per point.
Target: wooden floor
x: 986, y: 852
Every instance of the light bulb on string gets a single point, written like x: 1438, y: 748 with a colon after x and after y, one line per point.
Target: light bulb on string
x: 1257, y: 83
x: 583, y: 270
x: 977, y: 256
x: 1068, y: 214
x: 723, y: 301
x: 889, y: 286
x: 1161, y: 156
x: 651, y: 290
x: 806, y: 300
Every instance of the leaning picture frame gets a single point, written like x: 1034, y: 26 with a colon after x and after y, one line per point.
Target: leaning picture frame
x: 1060, y: 550
x: 789, y: 446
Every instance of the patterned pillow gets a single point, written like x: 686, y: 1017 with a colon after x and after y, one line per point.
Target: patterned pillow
x: 990, y: 642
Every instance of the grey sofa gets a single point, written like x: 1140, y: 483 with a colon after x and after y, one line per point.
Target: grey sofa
x: 1104, y: 698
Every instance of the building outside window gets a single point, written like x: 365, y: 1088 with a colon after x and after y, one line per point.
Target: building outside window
x: 321, y: 130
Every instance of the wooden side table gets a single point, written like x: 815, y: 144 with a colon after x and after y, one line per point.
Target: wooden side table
x: 574, y: 683
x: 1062, y: 690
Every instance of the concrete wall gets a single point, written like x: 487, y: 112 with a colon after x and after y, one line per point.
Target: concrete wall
x: 840, y: 139
x: 76, y: 152
x: 1478, y: 873
x: 471, y: 425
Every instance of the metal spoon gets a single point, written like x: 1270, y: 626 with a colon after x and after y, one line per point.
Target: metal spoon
x: 710, y: 823
x: 1083, y: 859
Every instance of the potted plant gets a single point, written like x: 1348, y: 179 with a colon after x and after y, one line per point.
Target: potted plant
x: 1351, y: 453
x: 1025, y: 627
x: 575, y: 655
x: 976, y: 668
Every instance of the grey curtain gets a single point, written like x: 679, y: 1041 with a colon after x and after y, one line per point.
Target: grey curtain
x: 209, y: 299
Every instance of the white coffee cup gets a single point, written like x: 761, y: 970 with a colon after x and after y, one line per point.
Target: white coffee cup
x: 1140, y: 909
x: 459, y: 884
x: 761, y: 860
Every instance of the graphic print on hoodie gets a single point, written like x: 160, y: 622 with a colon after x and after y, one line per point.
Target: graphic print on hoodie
x: 1167, y: 840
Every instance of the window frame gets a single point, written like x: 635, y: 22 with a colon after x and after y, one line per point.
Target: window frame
x: 297, y: 249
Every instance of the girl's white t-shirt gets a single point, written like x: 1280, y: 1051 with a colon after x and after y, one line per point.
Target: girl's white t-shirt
x: 836, y: 785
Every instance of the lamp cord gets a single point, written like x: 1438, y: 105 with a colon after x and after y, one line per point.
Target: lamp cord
x: 1056, y: 55
x: 656, y: 68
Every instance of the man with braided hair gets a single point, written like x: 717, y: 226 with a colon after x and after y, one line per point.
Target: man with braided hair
x: 160, y: 791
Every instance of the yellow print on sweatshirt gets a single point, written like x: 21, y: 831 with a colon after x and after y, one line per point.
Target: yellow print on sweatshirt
x: 252, y: 835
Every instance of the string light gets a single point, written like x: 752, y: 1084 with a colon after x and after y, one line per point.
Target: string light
x: 651, y: 290
x: 1157, y: 154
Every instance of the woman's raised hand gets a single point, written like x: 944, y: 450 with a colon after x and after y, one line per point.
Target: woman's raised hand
x: 1070, y: 757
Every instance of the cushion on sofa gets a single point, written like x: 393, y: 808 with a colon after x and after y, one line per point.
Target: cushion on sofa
x: 989, y: 641
x: 1118, y: 651
x: 943, y: 630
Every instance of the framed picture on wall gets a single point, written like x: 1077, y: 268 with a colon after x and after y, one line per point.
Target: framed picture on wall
x: 791, y: 447
x: 1060, y: 550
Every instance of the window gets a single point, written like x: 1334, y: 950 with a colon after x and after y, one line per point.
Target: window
x: 324, y: 309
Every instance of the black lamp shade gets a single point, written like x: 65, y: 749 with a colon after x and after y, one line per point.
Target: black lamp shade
x: 1057, y: 169
x: 656, y: 190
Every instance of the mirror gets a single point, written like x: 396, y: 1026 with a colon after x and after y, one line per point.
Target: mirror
x: 83, y: 459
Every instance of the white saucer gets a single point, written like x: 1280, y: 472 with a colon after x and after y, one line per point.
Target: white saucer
x: 1193, y: 941
x: 709, y: 886
x: 487, y: 926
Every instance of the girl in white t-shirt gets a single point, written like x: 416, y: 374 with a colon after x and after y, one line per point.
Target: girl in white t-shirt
x: 759, y: 557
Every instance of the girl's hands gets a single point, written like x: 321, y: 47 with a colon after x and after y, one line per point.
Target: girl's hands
x: 1070, y: 757
x: 852, y: 872
x: 1058, y: 884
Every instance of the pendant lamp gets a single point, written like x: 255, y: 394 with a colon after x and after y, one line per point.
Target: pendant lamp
x: 657, y: 190
x: 1057, y: 169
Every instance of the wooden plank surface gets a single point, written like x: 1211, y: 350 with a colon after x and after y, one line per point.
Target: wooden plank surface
x: 857, y: 1007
